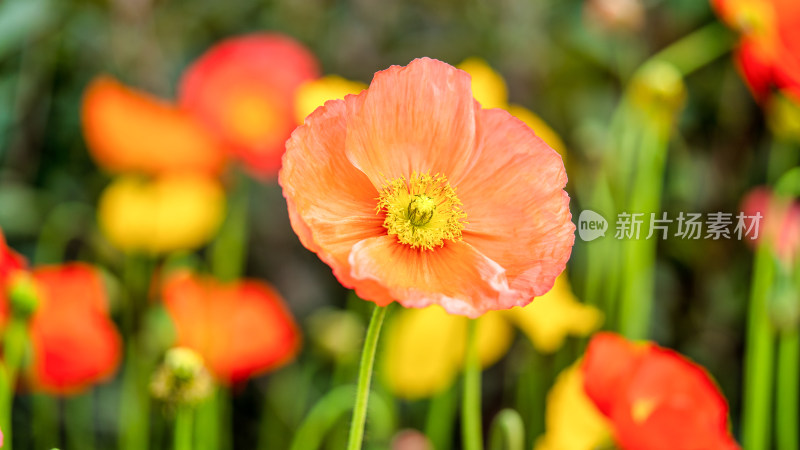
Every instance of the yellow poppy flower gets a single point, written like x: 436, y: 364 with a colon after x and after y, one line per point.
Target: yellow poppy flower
x: 313, y: 94
x: 572, y: 421
x: 170, y: 213
x: 424, y: 348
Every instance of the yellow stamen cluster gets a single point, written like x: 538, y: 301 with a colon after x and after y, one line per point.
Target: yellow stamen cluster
x: 422, y: 211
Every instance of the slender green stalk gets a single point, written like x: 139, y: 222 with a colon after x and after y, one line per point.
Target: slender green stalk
x: 441, y: 414
x: 698, y: 48
x: 182, y: 439
x: 15, y: 341
x: 471, y: 428
x: 507, y: 431
x: 364, y: 378
x: 759, y: 358
x: 79, y: 421
x: 788, y: 381
x: 44, y: 426
x: 229, y: 251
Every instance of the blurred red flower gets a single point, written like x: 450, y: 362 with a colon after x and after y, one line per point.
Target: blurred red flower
x: 243, y: 89
x: 75, y: 343
x: 240, y: 329
x: 780, y: 223
x: 769, y: 50
x: 411, y: 192
x: 654, y: 397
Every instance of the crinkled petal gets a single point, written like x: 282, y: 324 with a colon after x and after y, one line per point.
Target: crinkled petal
x: 418, y: 118
x: 457, y: 276
x: 517, y: 210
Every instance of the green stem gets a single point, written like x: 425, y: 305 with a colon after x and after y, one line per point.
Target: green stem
x: 15, y: 341
x: 698, y: 48
x: 441, y: 415
x: 364, y: 378
x: 787, y: 417
x: 229, y: 251
x: 471, y: 428
x: 183, y: 429
x: 79, y: 421
x: 759, y: 358
x: 507, y: 429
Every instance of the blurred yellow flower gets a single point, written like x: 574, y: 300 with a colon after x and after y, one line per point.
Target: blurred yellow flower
x: 489, y: 88
x: 550, y: 318
x: 165, y: 214
x: 424, y: 348
x: 313, y: 94
x: 572, y: 420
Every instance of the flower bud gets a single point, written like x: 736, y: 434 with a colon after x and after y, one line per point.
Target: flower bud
x: 23, y: 294
x: 182, y: 380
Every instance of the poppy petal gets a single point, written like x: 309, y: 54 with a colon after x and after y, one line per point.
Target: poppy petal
x: 414, y: 119
x: 514, y: 199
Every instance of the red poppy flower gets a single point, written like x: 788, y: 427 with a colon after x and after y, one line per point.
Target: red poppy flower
x: 769, y: 51
x: 130, y: 131
x: 655, y: 398
x: 244, y: 89
x: 411, y: 192
x: 241, y: 329
x: 75, y: 343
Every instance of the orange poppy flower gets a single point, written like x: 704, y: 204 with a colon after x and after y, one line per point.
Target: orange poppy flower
x: 655, y: 398
x: 75, y: 343
x: 130, y: 131
x: 243, y: 89
x: 411, y: 192
x: 240, y: 329
x: 769, y: 51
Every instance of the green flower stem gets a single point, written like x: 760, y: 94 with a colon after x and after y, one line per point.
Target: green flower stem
x: 15, y: 341
x: 44, y: 426
x: 507, y: 431
x: 697, y: 49
x: 134, y: 419
x: 787, y: 417
x: 79, y: 421
x: 211, y: 418
x: 229, y: 250
x: 364, y: 379
x: 471, y: 427
x: 182, y: 438
x: 441, y: 416
x: 759, y: 358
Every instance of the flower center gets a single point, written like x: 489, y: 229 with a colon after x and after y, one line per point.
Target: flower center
x: 422, y: 211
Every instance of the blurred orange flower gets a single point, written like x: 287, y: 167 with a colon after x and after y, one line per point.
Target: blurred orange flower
x: 130, y: 131
x: 243, y: 89
x: 769, y: 50
x: 654, y: 397
x: 10, y: 262
x: 780, y: 223
x: 240, y: 329
x: 75, y: 343
x: 411, y: 192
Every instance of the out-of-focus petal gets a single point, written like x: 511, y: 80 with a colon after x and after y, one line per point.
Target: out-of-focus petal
x: 549, y: 319
x: 170, y: 213
x: 313, y: 94
x: 244, y: 90
x: 130, y: 131
x: 572, y: 421
x: 241, y: 329
x: 75, y: 343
